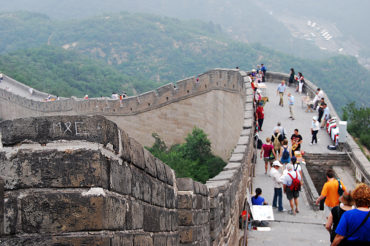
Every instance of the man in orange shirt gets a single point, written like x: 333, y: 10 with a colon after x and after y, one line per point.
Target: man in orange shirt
x: 330, y: 192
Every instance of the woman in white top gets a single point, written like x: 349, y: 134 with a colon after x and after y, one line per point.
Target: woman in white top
x: 300, y: 83
x: 314, y: 130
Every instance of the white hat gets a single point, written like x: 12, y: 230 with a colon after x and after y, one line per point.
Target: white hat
x: 314, y: 118
x: 277, y: 163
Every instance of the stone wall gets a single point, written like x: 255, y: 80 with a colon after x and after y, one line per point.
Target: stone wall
x: 78, y: 180
x: 214, y: 103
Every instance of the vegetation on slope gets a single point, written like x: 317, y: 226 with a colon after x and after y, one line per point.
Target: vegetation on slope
x: 151, y: 48
x: 192, y: 159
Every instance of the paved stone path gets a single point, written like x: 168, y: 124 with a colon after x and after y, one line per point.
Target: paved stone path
x: 307, y: 227
x: 21, y: 91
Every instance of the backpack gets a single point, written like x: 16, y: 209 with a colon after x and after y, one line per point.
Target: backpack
x: 340, y: 188
x: 277, y: 142
x: 285, y: 155
x: 296, y: 184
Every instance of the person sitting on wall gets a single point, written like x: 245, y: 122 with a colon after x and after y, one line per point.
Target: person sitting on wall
x: 258, y: 199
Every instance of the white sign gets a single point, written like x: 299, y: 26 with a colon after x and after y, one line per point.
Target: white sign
x: 263, y: 212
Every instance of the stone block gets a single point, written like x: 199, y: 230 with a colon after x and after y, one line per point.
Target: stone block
x: 174, y: 221
x: 150, y: 165
x: 248, y: 123
x: 134, y: 216
x: 244, y: 140
x: 122, y: 239
x: 143, y: 240
x: 137, y: 183
x: 46, y: 129
x: 55, y: 169
x: 173, y: 240
x: 185, y: 184
x: 184, y: 201
x: 236, y: 157
x: 154, y: 219
x: 161, y: 170
x: 240, y: 149
x: 197, y: 202
x: 147, y: 188
x: 185, y: 217
x: 171, y: 198
x: 160, y: 240
x: 56, y: 212
x: 158, y: 193
x: 203, y: 190
x: 126, y: 147
x: 186, y: 235
x: 137, y: 154
x: 249, y: 106
x: 2, y: 205
x: 120, y: 177
x: 232, y: 165
x: 170, y: 175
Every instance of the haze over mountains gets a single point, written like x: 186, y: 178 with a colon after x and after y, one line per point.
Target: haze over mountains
x: 142, y: 51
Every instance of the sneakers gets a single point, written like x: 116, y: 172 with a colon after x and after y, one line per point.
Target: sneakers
x: 284, y: 210
x: 311, y: 143
x: 292, y: 212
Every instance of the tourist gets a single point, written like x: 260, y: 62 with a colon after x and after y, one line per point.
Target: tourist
x: 315, y: 127
x: 291, y: 105
x: 317, y: 98
x: 115, y: 96
x: 291, y: 77
x: 354, y: 225
x: 86, y: 97
x: 296, y: 166
x: 1, y: 76
x: 258, y: 199
x: 268, y: 154
x: 259, y: 76
x: 321, y: 110
x: 276, y: 139
x: 264, y: 70
x: 280, y: 128
x: 336, y: 213
x: 258, y: 97
x: 280, y: 90
x: 330, y: 192
x: 277, y: 202
x: 260, y: 115
x: 285, y: 152
x: 325, y: 116
x: 296, y: 141
x: 258, y: 68
x: 300, y: 83
x: 292, y: 185
x: 30, y: 90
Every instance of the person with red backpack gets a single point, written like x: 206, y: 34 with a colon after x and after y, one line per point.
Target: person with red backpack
x: 292, y: 186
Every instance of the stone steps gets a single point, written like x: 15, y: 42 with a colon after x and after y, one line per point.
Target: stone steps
x: 347, y: 176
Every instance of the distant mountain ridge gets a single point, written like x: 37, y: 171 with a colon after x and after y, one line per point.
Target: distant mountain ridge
x: 149, y: 50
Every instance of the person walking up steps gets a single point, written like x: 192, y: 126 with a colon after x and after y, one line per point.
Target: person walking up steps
x: 292, y: 185
x: 280, y: 90
x: 291, y: 104
x: 330, y: 191
x: 278, y: 189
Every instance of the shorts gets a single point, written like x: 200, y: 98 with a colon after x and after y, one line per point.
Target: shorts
x: 291, y: 194
x: 267, y: 159
x: 327, y: 210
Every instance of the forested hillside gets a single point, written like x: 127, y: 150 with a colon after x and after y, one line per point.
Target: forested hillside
x: 133, y: 48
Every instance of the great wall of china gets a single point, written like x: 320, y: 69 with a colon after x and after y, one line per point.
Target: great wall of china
x: 73, y: 177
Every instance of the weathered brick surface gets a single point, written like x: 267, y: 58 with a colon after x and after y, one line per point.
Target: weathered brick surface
x: 55, y: 169
x: 46, y: 129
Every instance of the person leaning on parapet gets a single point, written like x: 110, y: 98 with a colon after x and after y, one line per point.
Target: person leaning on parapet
x: 291, y: 77
x: 325, y: 116
x: 292, y: 185
x: 1, y: 76
x: 346, y: 203
x: 354, y: 225
x: 264, y: 70
x: 316, y: 100
x: 330, y: 192
x: 277, y: 201
x: 280, y: 90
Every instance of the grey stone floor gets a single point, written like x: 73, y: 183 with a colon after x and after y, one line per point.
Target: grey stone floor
x: 307, y: 227
x: 4, y: 84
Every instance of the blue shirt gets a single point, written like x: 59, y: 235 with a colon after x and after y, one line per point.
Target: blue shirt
x: 257, y: 201
x: 349, y: 222
x: 291, y: 100
x: 281, y: 88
